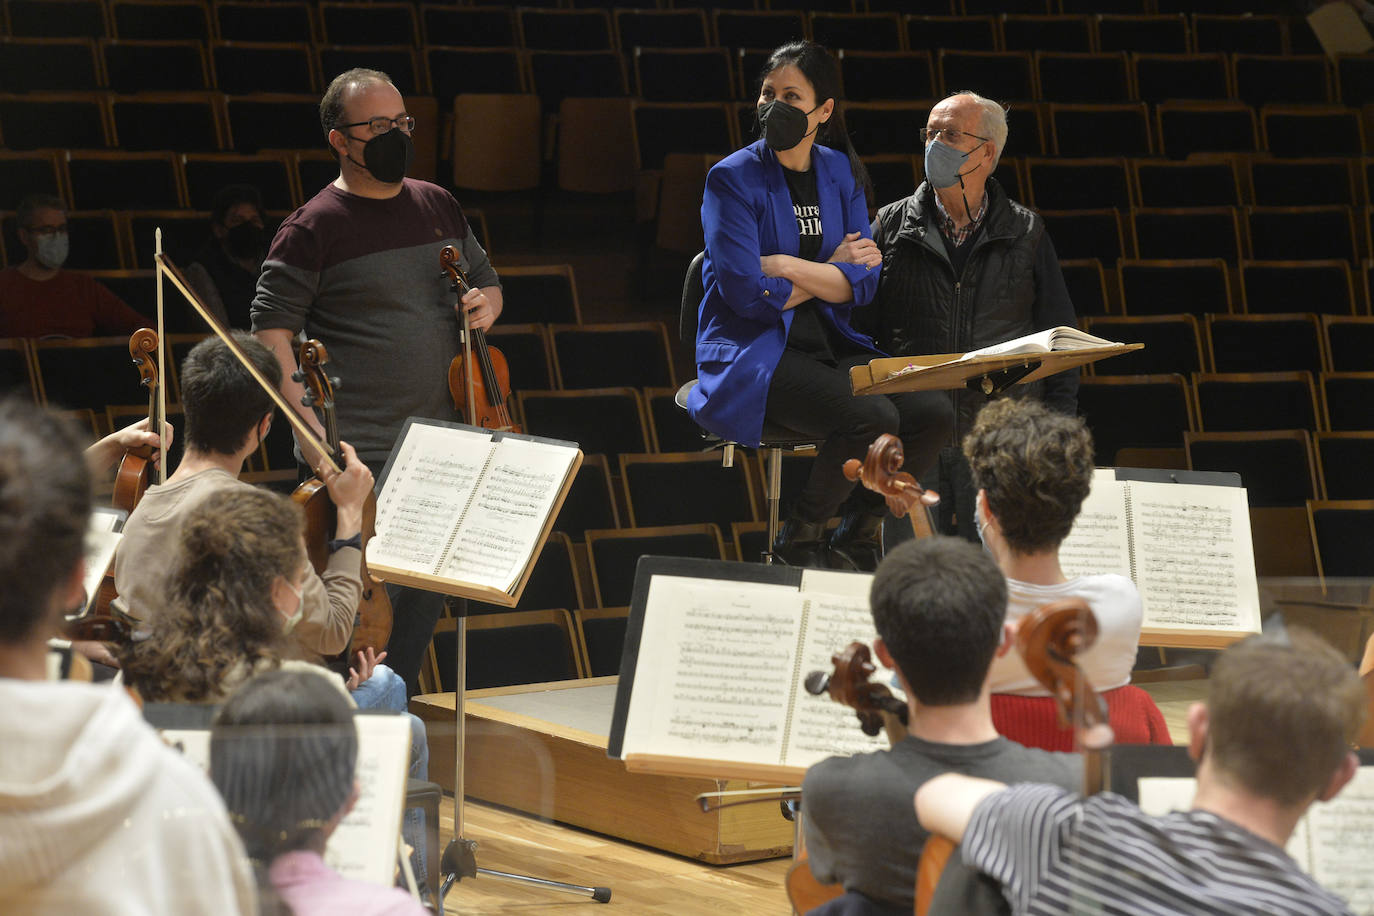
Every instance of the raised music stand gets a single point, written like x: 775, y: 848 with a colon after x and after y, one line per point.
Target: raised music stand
x: 460, y: 856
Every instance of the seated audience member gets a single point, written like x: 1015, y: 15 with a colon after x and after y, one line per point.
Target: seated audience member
x: 1032, y: 469
x: 96, y: 813
x: 225, y: 271
x: 1272, y: 737
x: 283, y: 753
x: 40, y: 299
x: 939, y: 606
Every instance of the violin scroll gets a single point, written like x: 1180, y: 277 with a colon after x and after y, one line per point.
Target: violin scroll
x: 881, y: 471
x: 849, y: 683
x: 143, y: 350
x: 448, y: 260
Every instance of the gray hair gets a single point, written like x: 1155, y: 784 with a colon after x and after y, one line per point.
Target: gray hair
x: 992, y: 121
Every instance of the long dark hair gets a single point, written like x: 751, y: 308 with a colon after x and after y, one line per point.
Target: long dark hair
x: 819, y: 67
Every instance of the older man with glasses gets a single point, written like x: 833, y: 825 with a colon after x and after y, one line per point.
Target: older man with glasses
x: 358, y: 268
x: 40, y: 299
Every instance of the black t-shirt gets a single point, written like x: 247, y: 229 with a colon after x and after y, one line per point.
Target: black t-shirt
x: 808, y: 334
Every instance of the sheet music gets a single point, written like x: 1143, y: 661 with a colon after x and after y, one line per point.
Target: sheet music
x: 719, y: 681
x: 502, y: 527
x: 837, y: 582
x: 1342, y: 842
x: 1195, y: 566
x: 1099, y: 541
x: 365, y: 843
x: 101, y: 541
x: 822, y: 727
x: 426, y: 492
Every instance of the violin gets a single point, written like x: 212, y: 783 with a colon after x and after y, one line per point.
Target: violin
x: 136, y: 467
x: 881, y: 471
x: 851, y: 683
x: 372, y: 625
x: 478, y: 378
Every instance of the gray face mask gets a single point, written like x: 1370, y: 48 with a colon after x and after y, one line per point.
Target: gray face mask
x: 52, y: 250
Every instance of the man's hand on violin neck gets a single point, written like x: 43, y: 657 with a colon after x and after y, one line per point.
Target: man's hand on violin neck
x: 349, y: 489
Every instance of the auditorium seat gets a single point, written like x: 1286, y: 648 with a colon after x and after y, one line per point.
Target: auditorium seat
x: 1244, y: 401
x: 554, y: 581
x: 1265, y: 78
x: 25, y: 173
x: 1345, y: 459
x: 312, y: 169
x: 1265, y: 343
x: 1010, y: 174
x: 152, y: 65
x: 686, y: 488
x: 1135, y: 411
x: 1056, y: 34
x: 453, y: 70
x: 487, y: 26
x: 183, y: 232
x: 1011, y: 72
x: 1355, y: 75
x: 1202, y: 182
x: 886, y: 128
x: 184, y: 122
x: 1348, y: 400
x: 243, y: 67
x: 160, y: 19
x: 564, y: 30
x: 1086, y: 234
x: 1249, y: 33
x: 542, y: 293
x: 138, y: 289
x: 1164, y: 287
x: 1301, y: 233
x: 287, y: 21
x: 1082, y: 77
x: 1301, y: 182
x: 1343, y: 531
x: 1327, y: 130
x: 1187, y: 232
x: 206, y: 173
x: 1350, y: 342
x: 628, y: 353
x: 557, y: 75
x: 375, y: 22
x: 48, y: 64
x: 53, y: 120
x: 1184, y: 128
x: 1276, y: 467
x: 1150, y: 34
x: 108, y: 180
x: 1034, y: 721
x: 670, y: 427
x: 526, y: 349
x: 683, y: 74
x: 1026, y: 131
x: 602, y: 631
x: 886, y: 75
x: 606, y: 421
x: 86, y: 373
x: 614, y: 554
x: 1172, y: 344
x: 895, y: 175
x: 1090, y: 7
x: 935, y: 32
x: 590, y: 502
x: 1087, y: 285
x: 1020, y: 7
x: 1074, y: 184
x: 654, y: 28
x: 17, y: 376
x: 57, y: 19
x: 1180, y: 76
x: 508, y: 648
x: 1321, y: 286
x: 857, y: 32
x: 396, y: 61
x: 1121, y: 129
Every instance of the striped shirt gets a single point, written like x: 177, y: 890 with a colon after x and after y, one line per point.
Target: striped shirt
x: 1055, y: 853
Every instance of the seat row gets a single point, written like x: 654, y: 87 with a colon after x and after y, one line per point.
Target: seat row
x: 986, y: 26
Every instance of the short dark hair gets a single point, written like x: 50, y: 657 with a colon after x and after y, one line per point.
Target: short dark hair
x: 939, y: 604
x: 332, y: 102
x: 229, y: 197
x: 283, y: 754
x: 1282, y: 711
x: 45, y: 504
x: 221, y: 400
x: 32, y: 204
x: 1036, y: 466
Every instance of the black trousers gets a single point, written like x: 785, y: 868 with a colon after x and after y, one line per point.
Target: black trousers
x: 813, y: 398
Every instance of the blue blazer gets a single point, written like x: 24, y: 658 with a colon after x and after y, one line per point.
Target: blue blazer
x: 742, y: 327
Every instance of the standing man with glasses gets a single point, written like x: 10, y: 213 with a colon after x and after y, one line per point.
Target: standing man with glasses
x: 40, y: 299
x: 358, y: 268
x: 964, y: 265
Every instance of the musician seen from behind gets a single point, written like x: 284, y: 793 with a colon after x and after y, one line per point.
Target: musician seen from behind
x: 358, y: 268
x: 1273, y: 737
x: 787, y: 262
x: 97, y: 814
x: 1032, y: 469
x: 964, y: 265
x: 939, y: 606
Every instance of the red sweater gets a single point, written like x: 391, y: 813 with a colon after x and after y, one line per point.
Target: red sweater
x: 69, y: 305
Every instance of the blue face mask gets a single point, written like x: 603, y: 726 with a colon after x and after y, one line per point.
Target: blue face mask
x: 943, y: 163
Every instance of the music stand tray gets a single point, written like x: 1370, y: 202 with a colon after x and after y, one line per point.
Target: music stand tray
x: 988, y: 374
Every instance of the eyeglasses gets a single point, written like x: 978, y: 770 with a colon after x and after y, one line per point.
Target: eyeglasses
x: 46, y: 230
x: 381, y: 125
x: 948, y: 134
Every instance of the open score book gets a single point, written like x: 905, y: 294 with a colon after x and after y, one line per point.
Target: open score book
x: 716, y: 684
x: 463, y: 510
x: 1187, y: 548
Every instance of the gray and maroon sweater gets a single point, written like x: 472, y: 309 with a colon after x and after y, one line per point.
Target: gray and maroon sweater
x: 363, y: 276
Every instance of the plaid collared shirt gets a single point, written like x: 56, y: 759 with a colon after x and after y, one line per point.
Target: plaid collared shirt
x: 951, y: 232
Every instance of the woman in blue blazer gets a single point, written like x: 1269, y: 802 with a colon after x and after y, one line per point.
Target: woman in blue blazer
x: 789, y: 255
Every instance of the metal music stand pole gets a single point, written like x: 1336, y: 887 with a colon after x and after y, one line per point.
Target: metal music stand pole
x: 460, y: 856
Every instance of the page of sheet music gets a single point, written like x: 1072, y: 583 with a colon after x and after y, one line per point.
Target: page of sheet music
x: 101, y: 543
x: 822, y: 727
x: 1161, y: 794
x: 501, y: 530
x: 426, y: 491
x: 1099, y: 541
x: 715, y: 668
x: 837, y: 582
x: 1195, y: 565
x: 1342, y: 842
x: 365, y: 843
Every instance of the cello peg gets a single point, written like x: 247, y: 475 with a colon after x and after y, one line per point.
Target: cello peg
x: 335, y: 383
x: 308, y: 399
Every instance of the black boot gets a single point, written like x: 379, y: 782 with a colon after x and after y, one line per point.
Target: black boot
x: 857, y: 541
x: 800, y: 543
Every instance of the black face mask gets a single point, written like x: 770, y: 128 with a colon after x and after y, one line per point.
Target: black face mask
x: 388, y: 156
x: 784, y: 126
x: 245, y: 240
